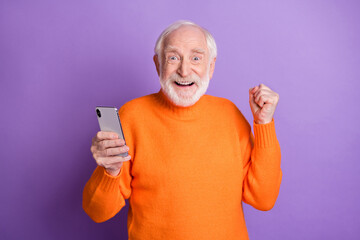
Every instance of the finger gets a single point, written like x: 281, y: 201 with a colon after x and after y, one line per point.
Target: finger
x: 264, y: 99
x: 102, y: 135
x: 253, y: 105
x: 93, y: 148
x: 263, y: 86
x: 262, y: 92
x: 260, y: 101
x: 107, y: 162
x: 253, y: 90
x: 104, y: 144
x: 115, y: 151
x: 118, y: 159
x: 251, y: 93
x: 257, y: 96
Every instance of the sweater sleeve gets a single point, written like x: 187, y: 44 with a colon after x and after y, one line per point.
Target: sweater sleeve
x: 262, y: 172
x: 104, y: 195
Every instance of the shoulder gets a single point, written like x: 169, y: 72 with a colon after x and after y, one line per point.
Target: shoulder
x: 223, y: 103
x: 137, y: 105
x: 228, y: 109
x: 217, y: 100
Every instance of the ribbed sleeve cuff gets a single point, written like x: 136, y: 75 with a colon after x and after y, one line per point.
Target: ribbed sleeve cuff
x: 265, y: 135
x: 105, y: 181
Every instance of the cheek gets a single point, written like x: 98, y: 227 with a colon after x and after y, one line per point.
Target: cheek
x: 202, y: 70
x: 164, y: 74
x: 167, y: 70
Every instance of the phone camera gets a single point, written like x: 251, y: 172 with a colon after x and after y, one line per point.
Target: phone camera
x: 98, y: 112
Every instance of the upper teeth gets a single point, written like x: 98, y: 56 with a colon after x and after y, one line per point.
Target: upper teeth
x: 184, y: 83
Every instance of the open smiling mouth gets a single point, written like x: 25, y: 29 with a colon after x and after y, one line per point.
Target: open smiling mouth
x: 184, y: 84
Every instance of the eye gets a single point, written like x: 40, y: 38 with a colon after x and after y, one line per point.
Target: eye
x: 196, y: 58
x: 174, y: 58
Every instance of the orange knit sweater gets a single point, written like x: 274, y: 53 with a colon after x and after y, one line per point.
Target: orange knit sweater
x: 191, y: 168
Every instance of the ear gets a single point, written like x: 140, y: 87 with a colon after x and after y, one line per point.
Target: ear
x: 212, y: 68
x: 157, y: 64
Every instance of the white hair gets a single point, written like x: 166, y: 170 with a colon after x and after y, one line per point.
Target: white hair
x: 176, y: 25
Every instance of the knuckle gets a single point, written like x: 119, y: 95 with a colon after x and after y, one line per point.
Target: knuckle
x: 117, y: 142
x: 99, y: 135
x: 123, y: 149
x: 106, y: 165
x: 118, y: 151
x: 99, y: 161
x: 107, y: 152
x: 92, y: 148
x: 102, y: 144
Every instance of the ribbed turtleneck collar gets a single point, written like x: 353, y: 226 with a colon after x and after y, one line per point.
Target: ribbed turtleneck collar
x: 182, y: 113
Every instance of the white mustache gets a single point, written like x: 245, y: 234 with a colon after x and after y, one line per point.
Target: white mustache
x: 177, y: 78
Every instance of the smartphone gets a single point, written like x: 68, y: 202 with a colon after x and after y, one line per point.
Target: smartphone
x: 109, y: 121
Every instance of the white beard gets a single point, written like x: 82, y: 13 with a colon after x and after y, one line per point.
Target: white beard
x: 184, y: 100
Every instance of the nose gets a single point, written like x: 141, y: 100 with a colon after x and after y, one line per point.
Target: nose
x: 184, y: 68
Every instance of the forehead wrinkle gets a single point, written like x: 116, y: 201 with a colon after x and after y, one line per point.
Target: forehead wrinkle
x: 198, y: 50
x: 193, y: 39
x: 170, y: 48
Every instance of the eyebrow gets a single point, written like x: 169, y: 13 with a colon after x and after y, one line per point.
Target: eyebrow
x: 199, y: 50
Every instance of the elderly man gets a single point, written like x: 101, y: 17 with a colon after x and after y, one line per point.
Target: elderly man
x: 192, y: 157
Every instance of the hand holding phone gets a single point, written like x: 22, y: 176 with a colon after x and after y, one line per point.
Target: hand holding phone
x: 108, y: 146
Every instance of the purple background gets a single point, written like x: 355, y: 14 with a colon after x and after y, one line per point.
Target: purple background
x: 60, y: 59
